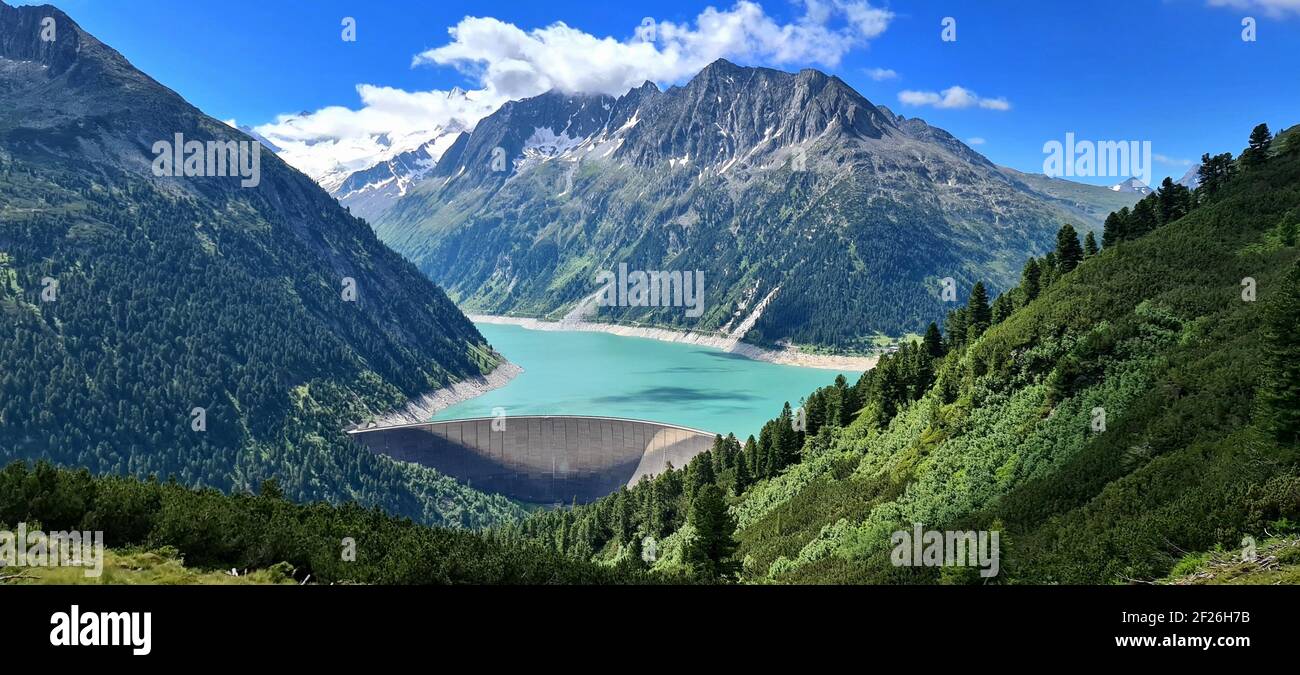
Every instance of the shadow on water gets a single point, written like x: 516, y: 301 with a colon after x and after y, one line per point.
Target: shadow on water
x: 730, y: 356
x: 676, y: 395
x: 684, y: 369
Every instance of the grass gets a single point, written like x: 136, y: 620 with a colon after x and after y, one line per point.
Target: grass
x: 1275, y: 561
x: 155, y: 567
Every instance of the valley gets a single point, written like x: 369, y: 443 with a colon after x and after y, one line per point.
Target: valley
x: 729, y: 324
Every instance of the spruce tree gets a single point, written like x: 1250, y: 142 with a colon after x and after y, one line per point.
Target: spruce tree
x: 700, y: 472
x: 1173, y: 201
x: 743, y: 479
x: 751, y: 457
x: 933, y: 341
x: 850, y: 404
x: 977, y: 310
x: 788, y: 441
x: 1002, y: 308
x: 1030, y: 279
x: 1089, y: 245
x: 1279, y: 393
x: 1068, y: 251
x: 1144, y: 217
x: 955, y: 327
x: 1113, y: 230
x: 709, y: 553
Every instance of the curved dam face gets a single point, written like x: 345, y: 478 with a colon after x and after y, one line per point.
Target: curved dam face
x: 541, y: 459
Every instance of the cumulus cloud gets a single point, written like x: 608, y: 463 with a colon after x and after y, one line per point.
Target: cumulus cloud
x: 341, y: 139
x: 509, y: 63
x: 515, y: 63
x: 881, y: 74
x: 1273, y: 8
x: 952, y: 97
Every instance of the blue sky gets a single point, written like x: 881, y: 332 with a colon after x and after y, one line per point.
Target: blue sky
x: 1174, y: 72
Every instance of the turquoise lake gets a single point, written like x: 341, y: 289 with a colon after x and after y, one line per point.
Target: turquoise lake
x: 588, y: 373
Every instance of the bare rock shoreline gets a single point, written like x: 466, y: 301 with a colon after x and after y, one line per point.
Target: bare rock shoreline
x: 424, y: 407
x: 790, y: 356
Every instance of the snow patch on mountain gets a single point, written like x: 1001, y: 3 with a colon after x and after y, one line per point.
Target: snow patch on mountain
x: 544, y: 145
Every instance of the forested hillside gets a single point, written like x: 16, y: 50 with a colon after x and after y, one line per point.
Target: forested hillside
x: 1119, y: 408
x: 159, y: 525
x: 191, y: 326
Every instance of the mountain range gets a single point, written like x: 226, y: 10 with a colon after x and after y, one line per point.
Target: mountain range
x: 816, y: 217
x: 216, y: 328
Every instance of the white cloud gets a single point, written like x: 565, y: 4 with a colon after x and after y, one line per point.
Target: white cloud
x: 1273, y: 8
x: 881, y: 74
x: 952, y: 97
x: 1166, y: 159
x: 390, y: 120
x: 516, y: 63
x: 976, y: 140
x: 510, y: 63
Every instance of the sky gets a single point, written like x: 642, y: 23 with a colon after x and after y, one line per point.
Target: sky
x: 1019, y: 74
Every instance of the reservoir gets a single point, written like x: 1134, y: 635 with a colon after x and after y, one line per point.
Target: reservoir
x: 601, y: 375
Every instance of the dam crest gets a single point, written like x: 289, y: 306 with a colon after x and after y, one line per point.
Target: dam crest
x: 541, y: 459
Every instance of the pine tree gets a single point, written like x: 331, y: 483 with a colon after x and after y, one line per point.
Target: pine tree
x: 1260, y: 139
x: 1114, y: 229
x: 623, y: 516
x: 700, y: 472
x: 1089, y: 245
x: 635, y: 554
x: 743, y: 479
x: 1214, y: 172
x: 709, y: 553
x: 1279, y: 394
x: 955, y: 327
x: 1002, y: 308
x: 978, y: 312
x: 1144, y: 218
x: 1029, y: 280
x: 1068, y: 251
x: 751, y: 457
x: 788, y: 441
x: 933, y: 341
x: 1173, y: 201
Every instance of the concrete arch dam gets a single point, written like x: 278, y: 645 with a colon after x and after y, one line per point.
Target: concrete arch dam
x: 541, y: 459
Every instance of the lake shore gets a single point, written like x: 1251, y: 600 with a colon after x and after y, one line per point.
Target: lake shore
x: 789, y: 356
x: 427, y: 405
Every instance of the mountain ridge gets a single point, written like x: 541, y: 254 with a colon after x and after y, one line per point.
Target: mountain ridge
x: 760, y: 178
x: 184, y: 325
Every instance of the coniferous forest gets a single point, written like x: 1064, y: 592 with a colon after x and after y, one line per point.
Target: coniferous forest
x: 987, y: 422
x: 182, y: 355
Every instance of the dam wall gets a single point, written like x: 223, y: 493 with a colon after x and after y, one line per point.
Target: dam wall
x: 541, y: 459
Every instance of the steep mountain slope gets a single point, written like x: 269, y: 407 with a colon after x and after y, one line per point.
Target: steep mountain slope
x: 775, y: 184
x: 1083, y: 203
x: 1125, y: 412
x: 190, y: 326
